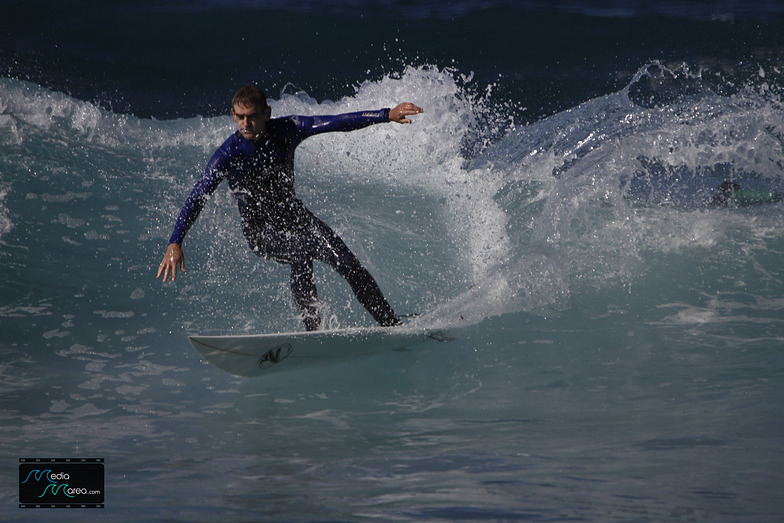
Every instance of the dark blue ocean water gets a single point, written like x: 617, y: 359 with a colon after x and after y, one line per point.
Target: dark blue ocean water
x: 618, y: 349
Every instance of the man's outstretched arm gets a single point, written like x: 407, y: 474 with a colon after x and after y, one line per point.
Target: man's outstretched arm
x: 174, y: 258
x: 312, y: 125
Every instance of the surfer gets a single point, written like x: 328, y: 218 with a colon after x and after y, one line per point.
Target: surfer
x: 258, y: 162
x: 731, y: 193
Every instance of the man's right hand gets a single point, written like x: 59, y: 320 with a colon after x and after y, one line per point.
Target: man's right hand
x: 173, y: 259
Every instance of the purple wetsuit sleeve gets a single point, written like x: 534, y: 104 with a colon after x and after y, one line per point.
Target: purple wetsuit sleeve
x: 204, y: 187
x: 311, y: 125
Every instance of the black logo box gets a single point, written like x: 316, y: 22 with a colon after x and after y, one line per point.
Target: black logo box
x: 61, y: 483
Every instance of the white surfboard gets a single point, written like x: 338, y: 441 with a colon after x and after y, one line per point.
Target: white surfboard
x: 260, y: 354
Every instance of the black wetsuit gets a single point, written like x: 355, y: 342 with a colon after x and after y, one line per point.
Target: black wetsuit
x: 275, y: 222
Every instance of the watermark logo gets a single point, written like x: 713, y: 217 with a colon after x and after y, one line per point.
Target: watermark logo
x: 61, y: 483
x: 274, y: 355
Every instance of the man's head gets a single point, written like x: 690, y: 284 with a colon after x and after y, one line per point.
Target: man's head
x: 250, y: 111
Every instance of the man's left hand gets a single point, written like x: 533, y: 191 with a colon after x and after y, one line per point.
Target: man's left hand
x: 401, y: 113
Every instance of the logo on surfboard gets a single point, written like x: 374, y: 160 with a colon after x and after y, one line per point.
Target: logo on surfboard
x: 275, y: 355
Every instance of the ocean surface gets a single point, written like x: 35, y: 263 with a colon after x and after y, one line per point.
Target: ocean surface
x: 618, y: 341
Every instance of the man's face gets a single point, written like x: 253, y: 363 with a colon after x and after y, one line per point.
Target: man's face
x: 251, y: 121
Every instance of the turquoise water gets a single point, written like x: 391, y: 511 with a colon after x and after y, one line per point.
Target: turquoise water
x: 617, y: 349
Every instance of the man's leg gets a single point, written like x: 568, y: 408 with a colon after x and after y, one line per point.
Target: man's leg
x: 303, y: 289
x: 368, y: 292
x: 276, y: 245
x: 334, y: 252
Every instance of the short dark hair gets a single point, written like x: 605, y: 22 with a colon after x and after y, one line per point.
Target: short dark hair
x: 250, y: 95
